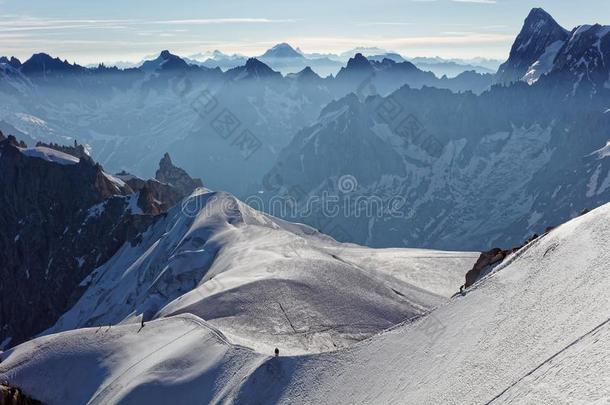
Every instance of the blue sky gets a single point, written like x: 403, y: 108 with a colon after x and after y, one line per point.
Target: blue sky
x: 90, y: 31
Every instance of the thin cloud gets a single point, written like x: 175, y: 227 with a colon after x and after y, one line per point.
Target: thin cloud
x: 26, y: 23
x: 209, y: 21
x: 384, y: 23
x: 476, y: 1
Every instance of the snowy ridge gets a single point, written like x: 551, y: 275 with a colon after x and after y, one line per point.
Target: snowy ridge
x: 264, y: 282
x: 50, y: 155
x: 524, y: 334
x: 126, y: 363
x: 535, y: 331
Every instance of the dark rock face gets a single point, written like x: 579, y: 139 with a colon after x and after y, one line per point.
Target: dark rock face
x: 569, y: 63
x: 14, y: 396
x: 58, y: 222
x: 539, y: 31
x: 486, y: 262
x: 176, y: 177
x: 43, y: 64
x: 253, y: 69
x: 583, y: 63
x: 166, y: 62
x: 492, y: 258
x: 156, y: 197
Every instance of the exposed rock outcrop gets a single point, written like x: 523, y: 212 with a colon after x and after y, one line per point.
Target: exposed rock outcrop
x: 75, y: 150
x: 486, y: 262
x: 14, y: 396
x: 175, y: 176
x: 492, y: 258
x: 58, y: 222
x: 171, y: 185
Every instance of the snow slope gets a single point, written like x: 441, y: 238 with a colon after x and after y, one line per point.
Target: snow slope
x: 132, y: 365
x: 536, y: 330
x: 264, y: 282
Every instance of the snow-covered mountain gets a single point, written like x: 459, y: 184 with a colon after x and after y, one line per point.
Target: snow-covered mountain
x: 466, y: 171
x: 537, y: 43
x: 281, y: 57
x: 536, y: 330
x: 263, y: 282
x: 437, y: 65
x: 282, y: 50
x: 577, y: 60
x: 62, y: 216
x: 286, y: 59
x: 217, y: 125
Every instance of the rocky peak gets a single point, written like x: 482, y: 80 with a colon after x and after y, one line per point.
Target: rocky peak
x: 305, y: 75
x: 62, y: 217
x: 539, y: 32
x: 253, y: 69
x: 282, y: 50
x: 584, y: 61
x: 357, y: 68
x: 14, y: 62
x: 176, y: 177
x: 42, y: 63
x: 359, y: 62
x: 258, y: 68
x: 164, y: 62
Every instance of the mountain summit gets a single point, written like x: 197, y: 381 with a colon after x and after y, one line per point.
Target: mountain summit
x: 540, y: 34
x: 282, y: 50
x: 42, y: 63
x: 165, y: 61
x: 574, y: 63
x: 253, y: 69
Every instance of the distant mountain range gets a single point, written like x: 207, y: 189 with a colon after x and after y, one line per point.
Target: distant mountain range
x: 286, y: 59
x: 475, y: 171
x: 159, y: 104
x: 253, y: 119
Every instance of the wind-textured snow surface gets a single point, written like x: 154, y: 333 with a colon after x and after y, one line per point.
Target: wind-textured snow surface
x: 180, y: 360
x: 536, y: 330
x: 264, y: 282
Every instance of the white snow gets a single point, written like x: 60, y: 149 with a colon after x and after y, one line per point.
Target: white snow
x: 132, y: 204
x: 116, y: 182
x: 94, y: 211
x: 605, y: 184
x: 543, y: 65
x: 593, y: 180
x: 50, y: 155
x: 534, y: 218
x: 536, y: 330
x: 602, y: 152
x: 264, y: 282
